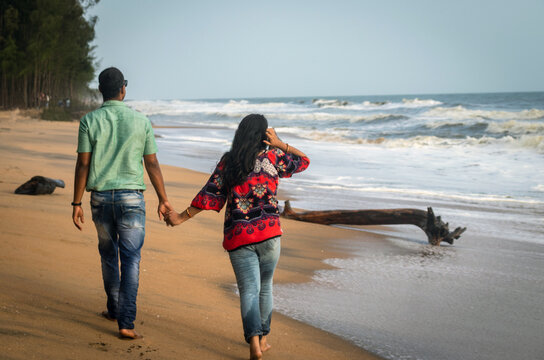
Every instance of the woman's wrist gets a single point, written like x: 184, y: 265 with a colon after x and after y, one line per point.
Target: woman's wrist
x: 282, y: 146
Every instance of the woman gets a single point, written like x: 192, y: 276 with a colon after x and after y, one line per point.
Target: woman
x: 246, y: 179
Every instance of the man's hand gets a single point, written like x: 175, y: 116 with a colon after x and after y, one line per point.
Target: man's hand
x: 77, y: 215
x: 155, y: 175
x: 164, y: 208
x: 80, y: 181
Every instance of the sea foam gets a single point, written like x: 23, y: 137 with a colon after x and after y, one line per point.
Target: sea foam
x: 516, y: 127
x: 460, y: 112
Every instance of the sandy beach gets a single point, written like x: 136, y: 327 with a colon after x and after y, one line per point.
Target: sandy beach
x: 51, y: 283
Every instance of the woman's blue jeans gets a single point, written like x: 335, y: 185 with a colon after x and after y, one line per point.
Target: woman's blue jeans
x: 254, y: 267
x: 119, y: 217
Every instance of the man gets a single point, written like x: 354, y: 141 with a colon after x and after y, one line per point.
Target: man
x: 112, y: 141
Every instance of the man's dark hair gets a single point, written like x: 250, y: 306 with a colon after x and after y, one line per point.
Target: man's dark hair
x: 110, y: 82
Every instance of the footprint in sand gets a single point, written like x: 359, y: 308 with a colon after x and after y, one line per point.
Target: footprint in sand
x: 143, y: 351
x: 102, y: 346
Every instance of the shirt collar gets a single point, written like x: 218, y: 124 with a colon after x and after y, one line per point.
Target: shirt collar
x: 113, y: 103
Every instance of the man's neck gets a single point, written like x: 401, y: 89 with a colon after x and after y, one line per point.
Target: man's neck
x: 115, y: 99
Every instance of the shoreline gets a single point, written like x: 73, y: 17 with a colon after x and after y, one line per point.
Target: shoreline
x: 187, y: 306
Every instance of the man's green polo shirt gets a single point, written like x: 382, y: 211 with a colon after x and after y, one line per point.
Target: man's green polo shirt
x: 118, y: 137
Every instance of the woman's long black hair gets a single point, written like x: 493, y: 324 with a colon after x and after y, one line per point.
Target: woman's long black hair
x: 246, y: 145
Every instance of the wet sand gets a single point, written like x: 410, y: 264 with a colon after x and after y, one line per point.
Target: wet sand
x: 51, y: 284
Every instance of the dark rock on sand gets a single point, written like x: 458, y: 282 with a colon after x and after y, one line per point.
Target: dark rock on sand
x: 39, y: 185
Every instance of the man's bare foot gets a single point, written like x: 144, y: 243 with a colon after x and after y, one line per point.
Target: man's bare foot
x: 106, y: 314
x: 129, y: 334
x: 255, y: 352
x: 264, y: 344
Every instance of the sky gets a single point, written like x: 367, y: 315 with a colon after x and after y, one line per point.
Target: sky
x: 172, y: 49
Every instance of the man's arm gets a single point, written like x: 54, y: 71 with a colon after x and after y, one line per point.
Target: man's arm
x: 155, y: 175
x: 80, y: 181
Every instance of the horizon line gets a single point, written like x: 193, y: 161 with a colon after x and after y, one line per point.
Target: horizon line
x: 339, y: 96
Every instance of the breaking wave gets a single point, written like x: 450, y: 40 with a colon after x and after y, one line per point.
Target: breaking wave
x: 539, y: 187
x: 462, y: 113
x: 508, y: 127
x: 535, y: 142
x: 329, y: 103
x: 239, y: 109
x: 232, y: 108
x: 426, y: 193
x: 322, y: 116
x: 375, y: 105
x: 516, y: 127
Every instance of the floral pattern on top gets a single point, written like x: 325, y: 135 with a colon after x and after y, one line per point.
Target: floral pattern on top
x: 218, y: 181
x: 259, y: 190
x: 273, y: 200
x: 243, y: 204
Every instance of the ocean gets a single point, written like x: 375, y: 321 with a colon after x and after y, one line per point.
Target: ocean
x: 476, y: 159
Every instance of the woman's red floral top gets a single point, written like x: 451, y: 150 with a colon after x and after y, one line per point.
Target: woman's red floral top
x: 252, y: 213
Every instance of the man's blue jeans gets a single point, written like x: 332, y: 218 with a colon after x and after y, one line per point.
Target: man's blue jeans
x: 119, y: 217
x: 254, y: 267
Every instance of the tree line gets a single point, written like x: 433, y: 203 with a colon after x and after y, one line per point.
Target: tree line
x: 45, y: 51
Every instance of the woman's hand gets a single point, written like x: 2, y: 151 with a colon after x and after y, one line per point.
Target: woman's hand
x: 173, y: 218
x: 273, y: 139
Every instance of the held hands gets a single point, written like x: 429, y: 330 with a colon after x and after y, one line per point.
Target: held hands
x: 169, y: 215
x: 173, y: 218
x: 163, y: 209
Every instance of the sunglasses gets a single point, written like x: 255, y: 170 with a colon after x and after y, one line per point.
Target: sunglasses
x: 125, y: 83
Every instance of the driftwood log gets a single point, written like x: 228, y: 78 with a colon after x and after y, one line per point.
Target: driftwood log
x: 433, y: 226
x: 39, y: 185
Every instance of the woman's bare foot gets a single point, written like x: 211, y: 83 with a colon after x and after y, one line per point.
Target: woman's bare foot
x: 129, y: 334
x: 264, y: 344
x: 255, y: 352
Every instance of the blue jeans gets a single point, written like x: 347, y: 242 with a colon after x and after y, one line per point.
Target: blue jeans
x: 254, y: 267
x: 119, y: 217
